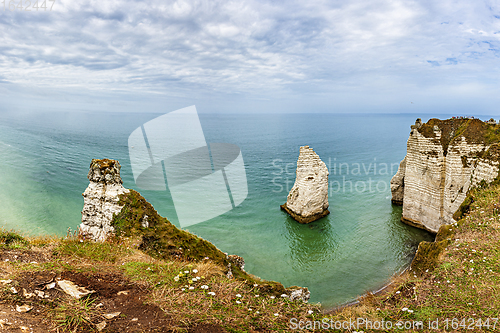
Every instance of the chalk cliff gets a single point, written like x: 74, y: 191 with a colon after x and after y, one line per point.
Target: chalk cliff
x: 444, y: 159
x: 308, y: 198
x: 101, y: 199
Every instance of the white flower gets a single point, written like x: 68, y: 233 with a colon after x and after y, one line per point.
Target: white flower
x: 238, y: 302
x: 211, y: 293
x: 176, y: 278
x: 397, y: 292
x: 378, y: 309
x: 198, y: 278
x: 250, y: 309
x: 310, y: 312
x: 284, y: 295
x: 255, y: 285
x: 410, y: 311
x: 238, y: 295
x: 194, y: 279
x: 204, y: 286
x: 404, y: 309
x: 471, y: 260
x: 257, y: 312
x: 183, y: 289
x: 256, y: 295
x: 195, y: 271
x: 186, y: 272
x: 272, y: 297
x: 191, y: 288
x: 276, y: 315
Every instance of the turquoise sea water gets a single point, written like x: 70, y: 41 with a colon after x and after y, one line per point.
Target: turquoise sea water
x: 44, y: 159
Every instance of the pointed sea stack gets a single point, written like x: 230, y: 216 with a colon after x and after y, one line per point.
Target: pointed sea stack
x: 308, y: 199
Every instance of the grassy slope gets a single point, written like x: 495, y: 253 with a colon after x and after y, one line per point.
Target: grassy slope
x: 167, y: 283
x: 163, y: 260
x: 458, y: 276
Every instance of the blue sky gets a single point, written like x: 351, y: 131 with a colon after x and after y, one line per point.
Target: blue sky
x: 438, y: 56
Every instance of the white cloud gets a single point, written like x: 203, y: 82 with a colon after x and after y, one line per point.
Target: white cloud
x: 254, y: 48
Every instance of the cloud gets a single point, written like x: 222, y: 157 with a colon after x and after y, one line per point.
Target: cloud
x: 257, y: 49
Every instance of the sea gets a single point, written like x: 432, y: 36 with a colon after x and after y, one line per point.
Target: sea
x: 357, y: 248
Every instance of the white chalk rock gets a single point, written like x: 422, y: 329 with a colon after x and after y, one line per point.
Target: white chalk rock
x: 101, y: 199
x: 308, y: 199
x: 72, y: 289
x: 444, y: 160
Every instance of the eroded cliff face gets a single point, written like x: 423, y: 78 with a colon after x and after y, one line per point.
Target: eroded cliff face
x: 308, y: 198
x: 101, y: 199
x: 444, y: 159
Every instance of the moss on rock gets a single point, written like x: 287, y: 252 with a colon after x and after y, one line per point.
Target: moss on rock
x: 473, y: 130
x: 161, y: 239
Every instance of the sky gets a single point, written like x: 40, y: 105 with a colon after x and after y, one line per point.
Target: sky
x: 395, y: 56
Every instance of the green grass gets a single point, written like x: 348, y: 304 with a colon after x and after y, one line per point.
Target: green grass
x: 76, y: 315
x: 104, y: 252
x: 157, y: 275
x: 162, y: 240
x: 12, y: 240
x: 457, y: 276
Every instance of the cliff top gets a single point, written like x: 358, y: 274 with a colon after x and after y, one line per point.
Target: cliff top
x: 105, y: 171
x: 473, y: 130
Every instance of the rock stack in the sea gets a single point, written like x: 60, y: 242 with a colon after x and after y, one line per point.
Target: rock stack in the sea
x: 101, y: 199
x: 444, y: 159
x: 398, y: 185
x: 308, y: 199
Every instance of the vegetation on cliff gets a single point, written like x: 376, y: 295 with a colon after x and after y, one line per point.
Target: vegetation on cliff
x: 457, y: 277
x: 473, y: 130
x: 153, y: 277
x: 160, y: 239
x: 149, y: 277
x: 133, y: 291
x: 454, y: 280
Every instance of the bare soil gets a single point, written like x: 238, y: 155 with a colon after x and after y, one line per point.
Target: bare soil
x: 112, y: 293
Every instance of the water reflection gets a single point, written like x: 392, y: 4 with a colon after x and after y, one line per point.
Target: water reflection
x: 405, y: 245
x: 310, y: 244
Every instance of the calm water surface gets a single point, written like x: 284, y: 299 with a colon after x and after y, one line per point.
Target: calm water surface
x: 44, y: 161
